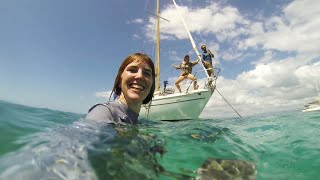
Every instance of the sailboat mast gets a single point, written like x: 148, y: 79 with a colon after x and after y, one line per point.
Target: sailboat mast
x: 157, y: 68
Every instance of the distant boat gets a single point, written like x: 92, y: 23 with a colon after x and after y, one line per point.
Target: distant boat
x: 168, y: 105
x: 314, y: 105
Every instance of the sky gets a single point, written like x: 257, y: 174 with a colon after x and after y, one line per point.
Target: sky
x: 64, y: 55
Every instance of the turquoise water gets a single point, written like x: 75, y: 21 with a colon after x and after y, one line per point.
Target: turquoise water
x: 282, y: 146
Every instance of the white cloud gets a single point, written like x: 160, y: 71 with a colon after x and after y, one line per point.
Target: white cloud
x: 268, y: 57
x: 136, y: 21
x: 103, y: 94
x: 283, y: 78
x: 136, y: 36
x: 309, y: 75
x: 232, y: 55
x: 296, y: 30
x: 213, y: 19
x: 298, y: 12
x: 276, y: 86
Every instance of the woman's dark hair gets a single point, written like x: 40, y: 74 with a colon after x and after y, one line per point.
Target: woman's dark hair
x: 185, y: 57
x: 136, y: 57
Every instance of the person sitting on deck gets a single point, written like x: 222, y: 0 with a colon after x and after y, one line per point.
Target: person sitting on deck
x: 186, y: 72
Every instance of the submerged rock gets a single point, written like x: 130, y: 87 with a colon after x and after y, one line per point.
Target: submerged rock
x: 215, y: 169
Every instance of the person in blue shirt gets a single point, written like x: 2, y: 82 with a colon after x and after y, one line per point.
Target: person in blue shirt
x: 207, y: 57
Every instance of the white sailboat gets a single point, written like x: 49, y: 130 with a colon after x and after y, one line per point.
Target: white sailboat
x: 314, y: 105
x: 167, y: 105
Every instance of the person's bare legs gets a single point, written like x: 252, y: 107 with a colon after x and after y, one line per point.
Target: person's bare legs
x: 210, y: 72
x: 195, y: 86
x: 179, y: 80
x: 194, y: 79
x: 210, y: 69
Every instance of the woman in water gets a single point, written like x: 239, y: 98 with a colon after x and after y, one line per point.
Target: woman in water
x: 134, y: 86
x: 85, y: 149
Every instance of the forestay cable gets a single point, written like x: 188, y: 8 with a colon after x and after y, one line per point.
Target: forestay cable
x: 229, y: 103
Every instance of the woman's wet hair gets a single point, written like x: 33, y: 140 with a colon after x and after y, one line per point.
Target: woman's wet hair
x: 136, y: 57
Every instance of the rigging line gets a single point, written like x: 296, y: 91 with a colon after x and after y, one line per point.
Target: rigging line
x: 144, y: 41
x: 142, y: 46
x: 153, y: 50
x: 203, y: 41
x: 180, y: 2
x: 229, y: 103
x: 168, y: 69
x: 157, y: 16
x: 145, y: 7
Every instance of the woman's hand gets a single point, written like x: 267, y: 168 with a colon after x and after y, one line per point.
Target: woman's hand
x: 177, y: 67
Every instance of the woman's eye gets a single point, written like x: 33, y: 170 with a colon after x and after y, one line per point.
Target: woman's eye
x: 132, y: 70
x: 147, y: 73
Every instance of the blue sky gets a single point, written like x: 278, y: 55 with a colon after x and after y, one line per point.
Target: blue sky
x: 64, y: 55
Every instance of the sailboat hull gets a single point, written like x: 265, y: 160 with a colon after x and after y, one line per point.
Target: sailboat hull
x: 174, y: 107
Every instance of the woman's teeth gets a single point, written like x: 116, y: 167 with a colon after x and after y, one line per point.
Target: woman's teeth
x: 137, y: 86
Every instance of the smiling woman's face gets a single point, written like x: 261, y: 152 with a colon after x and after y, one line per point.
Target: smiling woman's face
x: 136, y: 82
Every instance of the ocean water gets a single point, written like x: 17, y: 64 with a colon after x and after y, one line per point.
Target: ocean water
x: 42, y: 144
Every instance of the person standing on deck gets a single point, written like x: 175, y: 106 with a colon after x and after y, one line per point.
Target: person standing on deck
x: 207, y: 57
x: 186, y: 72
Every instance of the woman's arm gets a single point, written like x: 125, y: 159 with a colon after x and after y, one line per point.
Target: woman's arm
x: 196, y: 62
x: 211, y: 54
x: 177, y: 67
